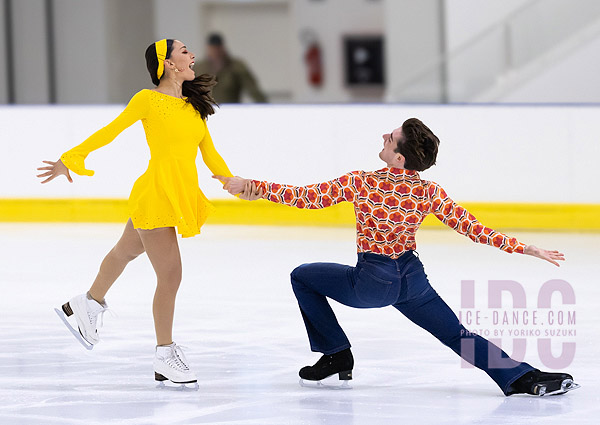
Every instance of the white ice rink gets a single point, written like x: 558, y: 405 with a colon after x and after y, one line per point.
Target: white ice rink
x: 238, y: 317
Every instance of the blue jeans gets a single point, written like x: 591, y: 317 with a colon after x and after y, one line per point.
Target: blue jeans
x: 379, y: 281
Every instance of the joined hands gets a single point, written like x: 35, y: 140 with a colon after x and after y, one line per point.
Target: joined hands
x: 238, y: 185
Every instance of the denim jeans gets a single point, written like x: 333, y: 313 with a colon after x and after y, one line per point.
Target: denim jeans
x: 379, y: 281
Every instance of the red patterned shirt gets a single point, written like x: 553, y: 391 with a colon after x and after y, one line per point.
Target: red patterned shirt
x: 390, y: 204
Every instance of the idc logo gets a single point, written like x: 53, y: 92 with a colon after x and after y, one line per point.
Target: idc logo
x: 550, y: 325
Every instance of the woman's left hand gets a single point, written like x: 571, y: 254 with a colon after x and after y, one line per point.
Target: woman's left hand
x: 53, y: 170
x: 550, y: 256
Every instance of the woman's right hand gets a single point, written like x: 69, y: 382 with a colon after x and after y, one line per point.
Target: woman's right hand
x: 233, y: 185
x: 53, y: 170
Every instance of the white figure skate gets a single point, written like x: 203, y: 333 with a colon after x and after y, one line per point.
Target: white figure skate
x: 85, y: 311
x: 170, y: 364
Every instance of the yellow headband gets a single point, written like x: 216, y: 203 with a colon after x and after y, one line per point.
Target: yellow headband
x: 161, y: 55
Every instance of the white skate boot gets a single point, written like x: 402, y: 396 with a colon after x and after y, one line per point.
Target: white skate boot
x: 86, y: 311
x: 170, y: 364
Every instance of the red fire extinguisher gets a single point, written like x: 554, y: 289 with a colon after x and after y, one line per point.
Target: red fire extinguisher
x: 312, y: 57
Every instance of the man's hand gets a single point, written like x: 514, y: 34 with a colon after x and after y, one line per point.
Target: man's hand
x: 233, y: 185
x: 251, y: 193
x: 550, y: 256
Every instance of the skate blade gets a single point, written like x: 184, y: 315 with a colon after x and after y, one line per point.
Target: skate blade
x: 328, y: 384
x: 566, y: 386
x: 171, y: 386
x: 75, y: 333
x: 175, y: 386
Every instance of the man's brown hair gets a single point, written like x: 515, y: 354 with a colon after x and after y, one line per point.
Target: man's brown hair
x: 418, y: 145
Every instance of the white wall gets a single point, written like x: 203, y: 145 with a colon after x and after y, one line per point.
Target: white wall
x: 414, y: 42
x: 331, y: 20
x: 93, y: 67
x: 466, y: 19
x: 487, y: 59
x: 81, y: 51
x: 476, y: 44
x: 245, y: 38
x: 182, y: 22
x: 30, y: 53
x: 260, y: 34
x: 126, y: 45
x: 575, y: 78
x: 487, y: 153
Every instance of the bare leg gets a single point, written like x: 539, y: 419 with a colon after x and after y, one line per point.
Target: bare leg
x: 163, y: 251
x: 127, y: 249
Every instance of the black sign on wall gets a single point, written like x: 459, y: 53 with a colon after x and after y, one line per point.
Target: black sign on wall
x: 363, y: 57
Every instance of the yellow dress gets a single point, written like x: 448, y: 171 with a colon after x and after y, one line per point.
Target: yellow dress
x: 167, y: 194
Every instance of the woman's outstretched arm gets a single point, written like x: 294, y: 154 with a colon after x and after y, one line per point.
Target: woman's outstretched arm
x: 74, y: 159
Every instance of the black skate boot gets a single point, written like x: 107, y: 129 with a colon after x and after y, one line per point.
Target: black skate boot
x: 341, y: 363
x: 541, y: 383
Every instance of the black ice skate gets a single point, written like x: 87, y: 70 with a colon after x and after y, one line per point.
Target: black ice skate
x: 541, y: 383
x: 341, y: 363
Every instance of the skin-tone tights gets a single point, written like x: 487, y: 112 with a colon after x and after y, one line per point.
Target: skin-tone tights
x: 163, y: 251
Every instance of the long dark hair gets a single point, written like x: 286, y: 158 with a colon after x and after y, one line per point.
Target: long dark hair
x: 197, y: 91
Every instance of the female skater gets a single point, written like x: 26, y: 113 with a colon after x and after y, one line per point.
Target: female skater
x: 390, y: 204
x: 165, y: 197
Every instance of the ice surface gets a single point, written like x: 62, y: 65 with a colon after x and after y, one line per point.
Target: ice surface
x: 238, y: 317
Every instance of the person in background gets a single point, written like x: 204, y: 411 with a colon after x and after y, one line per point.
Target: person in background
x: 232, y: 74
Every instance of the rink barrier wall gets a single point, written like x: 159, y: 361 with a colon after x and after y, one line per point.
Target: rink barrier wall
x: 525, y: 216
x: 498, y: 154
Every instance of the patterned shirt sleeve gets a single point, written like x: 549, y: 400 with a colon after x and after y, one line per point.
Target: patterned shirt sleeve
x: 461, y: 220
x: 314, y: 196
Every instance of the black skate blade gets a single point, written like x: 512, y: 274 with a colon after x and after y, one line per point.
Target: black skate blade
x: 331, y: 383
x: 565, y: 386
x: 75, y: 333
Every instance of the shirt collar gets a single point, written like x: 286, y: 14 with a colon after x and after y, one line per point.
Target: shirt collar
x: 399, y: 171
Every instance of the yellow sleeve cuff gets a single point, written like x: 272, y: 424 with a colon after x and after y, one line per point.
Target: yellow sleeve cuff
x: 76, y: 163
